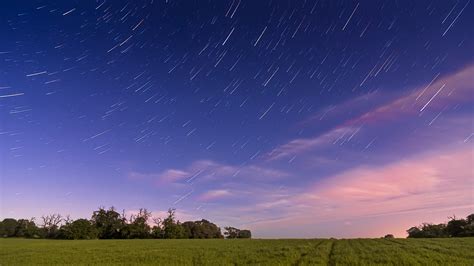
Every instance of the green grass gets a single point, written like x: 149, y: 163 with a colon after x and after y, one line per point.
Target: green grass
x: 449, y: 251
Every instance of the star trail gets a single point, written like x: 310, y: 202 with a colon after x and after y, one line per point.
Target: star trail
x: 293, y: 118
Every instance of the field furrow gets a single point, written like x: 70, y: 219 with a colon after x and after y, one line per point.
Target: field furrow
x: 452, y: 251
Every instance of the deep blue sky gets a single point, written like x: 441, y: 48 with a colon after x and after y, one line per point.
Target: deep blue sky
x: 213, y: 106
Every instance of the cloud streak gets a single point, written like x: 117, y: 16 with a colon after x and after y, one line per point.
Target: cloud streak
x: 416, y: 186
x: 208, y: 170
x: 434, y: 96
x: 454, y: 88
x: 435, y: 179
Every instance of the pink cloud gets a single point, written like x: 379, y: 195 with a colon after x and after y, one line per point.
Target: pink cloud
x: 215, y: 194
x: 433, y: 180
x: 165, y: 177
x: 207, y: 170
x: 357, y: 104
x: 455, y: 88
x: 302, y: 145
x: 368, y: 184
x: 365, y: 201
x: 172, y: 175
x: 407, y: 191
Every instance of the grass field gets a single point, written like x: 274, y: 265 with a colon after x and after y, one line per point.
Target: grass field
x: 459, y: 251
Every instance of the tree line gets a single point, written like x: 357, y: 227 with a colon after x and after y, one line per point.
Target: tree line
x: 453, y: 228
x: 110, y: 224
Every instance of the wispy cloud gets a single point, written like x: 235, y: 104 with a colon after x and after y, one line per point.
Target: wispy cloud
x: 455, y: 88
x: 432, y: 182
x: 208, y: 170
x: 435, y: 178
x: 172, y: 175
x: 215, y: 194
x: 301, y: 145
x: 432, y: 97
x: 166, y: 177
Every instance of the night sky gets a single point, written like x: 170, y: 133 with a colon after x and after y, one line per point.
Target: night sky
x: 308, y: 118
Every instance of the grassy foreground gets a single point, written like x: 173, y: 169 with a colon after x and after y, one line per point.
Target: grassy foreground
x: 459, y: 251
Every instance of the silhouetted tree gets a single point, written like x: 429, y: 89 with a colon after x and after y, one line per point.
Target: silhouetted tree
x: 109, y: 223
x: 427, y: 230
x: 172, y: 228
x: 50, y: 225
x: 470, y: 219
x: 434, y: 230
x: 245, y: 234
x: 79, y: 229
x: 469, y: 227
x: 201, y: 229
x: 137, y: 226
x: 157, y: 230
x: 8, y: 227
x: 414, y: 232
x: 27, y: 228
x: 232, y: 232
x: 455, y: 227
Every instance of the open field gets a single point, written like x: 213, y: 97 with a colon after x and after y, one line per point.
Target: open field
x: 448, y: 251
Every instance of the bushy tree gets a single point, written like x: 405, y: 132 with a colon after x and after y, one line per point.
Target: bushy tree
x: 414, y: 232
x: 8, y: 227
x: 172, y: 229
x: 157, y: 232
x: 470, y: 219
x: 79, y: 229
x: 434, y: 230
x: 469, y: 227
x: 109, y: 223
x: 138, y: 225
x: 468, y: 230
x: 201, y: 229
x: 232, y: 232
x: 427, y: 230
x: 27, y: 228
x: 455, y: 227
x: 244, y: 234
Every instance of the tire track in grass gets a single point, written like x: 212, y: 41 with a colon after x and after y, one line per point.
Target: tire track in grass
x: 435, y: 247
x: 356, y: 246
x: 422, y: 253
x: 444, y: 243
x: 364, y: 250
x: 342, y: 253
x: 395, y: 252
x: 312, y: 247
x: 331, y: 259
x: 302, y: 255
